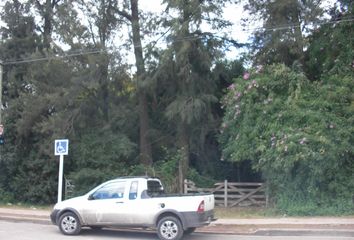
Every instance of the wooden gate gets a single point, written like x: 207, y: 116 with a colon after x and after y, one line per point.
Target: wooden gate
x: 231, y: 194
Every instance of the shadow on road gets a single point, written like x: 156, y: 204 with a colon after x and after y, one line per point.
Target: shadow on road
x: 114, y: 233
x: 130, y: 234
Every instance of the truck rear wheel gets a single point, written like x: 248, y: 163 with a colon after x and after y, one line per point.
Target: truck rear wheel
x: 169, y: 228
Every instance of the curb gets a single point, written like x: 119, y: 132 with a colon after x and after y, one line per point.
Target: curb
x: 30, y: 219
x: 232, y: 227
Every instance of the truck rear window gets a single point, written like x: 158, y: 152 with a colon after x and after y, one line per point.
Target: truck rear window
x: 154, y: 188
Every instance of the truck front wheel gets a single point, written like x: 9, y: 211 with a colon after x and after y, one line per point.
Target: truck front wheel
x: 169, y: 228
x: 69, y: 224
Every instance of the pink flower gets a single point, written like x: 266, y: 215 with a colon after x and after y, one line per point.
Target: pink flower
x: 231, y: 87
x: 237, y: 95
x: 246, y: 75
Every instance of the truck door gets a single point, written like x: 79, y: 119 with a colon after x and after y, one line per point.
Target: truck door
x: 106, y: 204
x: 140, y: 207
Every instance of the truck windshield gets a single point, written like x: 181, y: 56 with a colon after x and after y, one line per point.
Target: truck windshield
x: 154, y: 188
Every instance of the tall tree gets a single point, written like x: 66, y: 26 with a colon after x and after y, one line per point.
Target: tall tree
x: 186, y: 66
x: 134, y: 21
x: 19, y: 42
x: 46, y: 10
x: 102, y: 26
x: 281, y: 40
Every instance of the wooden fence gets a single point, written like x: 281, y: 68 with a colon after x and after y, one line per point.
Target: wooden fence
x: 232, y: 194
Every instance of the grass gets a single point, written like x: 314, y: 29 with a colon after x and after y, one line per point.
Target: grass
x: 259, y: 212
x: 242, y: 212
x: 25, y: 206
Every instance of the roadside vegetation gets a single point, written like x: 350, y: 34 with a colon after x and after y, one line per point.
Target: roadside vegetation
x: 282, y: 113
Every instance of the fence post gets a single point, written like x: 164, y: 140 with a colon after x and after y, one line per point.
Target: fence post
x: 225, y: 193
x: 185, y: 186
x: 267, y: 195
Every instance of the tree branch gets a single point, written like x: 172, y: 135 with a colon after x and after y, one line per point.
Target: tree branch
x: 124, y: 14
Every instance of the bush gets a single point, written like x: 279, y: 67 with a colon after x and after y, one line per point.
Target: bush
x: 314, y: 207
x: 200, y: 180
x: 297, y: 133
x: 6, y: 197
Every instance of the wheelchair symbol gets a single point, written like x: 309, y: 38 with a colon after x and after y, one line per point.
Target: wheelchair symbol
x: 61, y: 147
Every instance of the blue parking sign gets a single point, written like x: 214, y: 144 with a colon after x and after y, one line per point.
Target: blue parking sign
x: 61, y: 147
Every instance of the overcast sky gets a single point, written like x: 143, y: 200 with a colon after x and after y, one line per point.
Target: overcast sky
x: 233, y: 13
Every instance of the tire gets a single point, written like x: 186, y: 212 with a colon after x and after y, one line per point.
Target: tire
x: 189, y: 230
x: 169, y: 228
x: 69, y: 224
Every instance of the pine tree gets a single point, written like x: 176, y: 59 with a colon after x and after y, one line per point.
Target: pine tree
x: 281, y: 38
x: 186, y: 66
x: 134, y: 21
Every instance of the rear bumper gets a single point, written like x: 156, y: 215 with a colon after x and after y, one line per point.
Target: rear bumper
x: 195, y: 219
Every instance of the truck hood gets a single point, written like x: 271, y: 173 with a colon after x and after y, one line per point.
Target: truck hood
x: 70, y: 202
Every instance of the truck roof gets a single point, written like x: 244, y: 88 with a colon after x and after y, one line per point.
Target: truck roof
x: 131, y: 177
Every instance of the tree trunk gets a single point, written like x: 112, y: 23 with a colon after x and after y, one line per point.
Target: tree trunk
x: 298, y: 36
x: 184, y: 161
x: 47, y: 31
x: 103, y: 81
x: 145, y: 146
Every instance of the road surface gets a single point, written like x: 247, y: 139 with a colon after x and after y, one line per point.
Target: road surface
x: 30, y: 231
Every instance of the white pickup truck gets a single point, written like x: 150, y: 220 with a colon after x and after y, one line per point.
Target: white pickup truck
x: 135, y: 202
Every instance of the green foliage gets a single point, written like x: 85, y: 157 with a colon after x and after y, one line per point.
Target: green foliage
x: 6, y: 197
x: 281, y: 40
x: 331, y: 47
x: 200, y: 180
x: 98, y: 156
x: 298, y: 134
x: 167, y: 169
x: 291, y: 205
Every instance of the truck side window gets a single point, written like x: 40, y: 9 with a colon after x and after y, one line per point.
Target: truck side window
x: 110, y: 190
x: 133, y: 192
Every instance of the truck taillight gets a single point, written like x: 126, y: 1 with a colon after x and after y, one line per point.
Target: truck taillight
x: 201, y: 207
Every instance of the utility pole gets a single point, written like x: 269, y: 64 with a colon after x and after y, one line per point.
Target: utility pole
x: 1, y: 70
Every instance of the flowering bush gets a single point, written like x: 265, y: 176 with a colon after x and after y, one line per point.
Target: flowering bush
x: 298, y: 134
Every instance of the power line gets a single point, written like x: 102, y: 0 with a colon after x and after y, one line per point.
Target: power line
x: 186, y: 38
x: 290, y: 26
x: 29, y: 60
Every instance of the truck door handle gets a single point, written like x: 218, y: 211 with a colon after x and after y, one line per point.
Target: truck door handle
x: 120, y: 202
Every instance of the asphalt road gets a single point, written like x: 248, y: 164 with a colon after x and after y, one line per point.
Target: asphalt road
x: 30, y: 231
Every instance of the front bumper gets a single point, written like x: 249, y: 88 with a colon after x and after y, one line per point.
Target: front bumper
x: 54, y: 216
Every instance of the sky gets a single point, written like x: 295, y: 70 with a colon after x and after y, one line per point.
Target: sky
x: 232, y: 12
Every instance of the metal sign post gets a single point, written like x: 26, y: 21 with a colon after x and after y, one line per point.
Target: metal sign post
x: 61, y: 148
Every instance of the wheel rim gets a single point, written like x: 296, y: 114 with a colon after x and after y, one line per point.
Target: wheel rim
x: 69, y: 224
x: 169, y: 230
